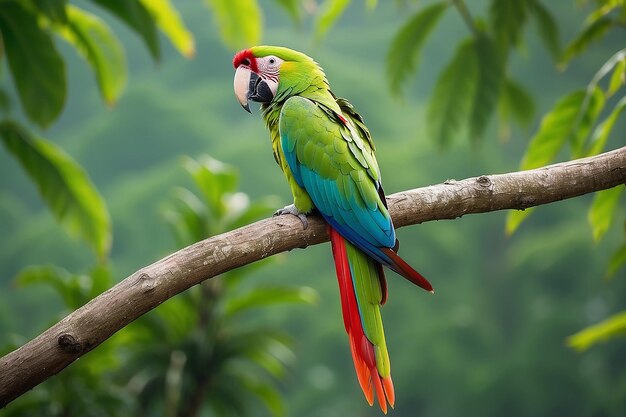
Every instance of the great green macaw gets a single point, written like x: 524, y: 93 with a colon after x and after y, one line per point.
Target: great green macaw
x: 327, y: 154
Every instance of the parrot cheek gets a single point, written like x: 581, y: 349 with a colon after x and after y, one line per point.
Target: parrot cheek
x: 243, y: 78
x: 259, y: 90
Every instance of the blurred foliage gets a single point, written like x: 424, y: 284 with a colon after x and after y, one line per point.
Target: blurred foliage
x: 603, y: 331
x: 63, y: 185
x: 193, y: 353
x: 492, y: 345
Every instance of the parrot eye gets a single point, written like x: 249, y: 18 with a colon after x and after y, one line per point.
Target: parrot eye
x: 272, y: 61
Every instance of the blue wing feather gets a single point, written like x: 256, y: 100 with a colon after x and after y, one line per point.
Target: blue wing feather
x: 340, y: 200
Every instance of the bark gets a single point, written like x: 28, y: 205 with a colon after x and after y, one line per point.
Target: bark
x: 90, y: 325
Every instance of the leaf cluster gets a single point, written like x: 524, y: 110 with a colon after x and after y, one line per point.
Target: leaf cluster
x: 198, y: 351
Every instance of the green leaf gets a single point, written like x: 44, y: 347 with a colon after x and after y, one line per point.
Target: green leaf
x: 53, y: 9
x: 214, y: 179
x: 101, y: 280
x: 404, y: 53
x: 559, y: 124
x: 267, y: 394
x: 63, y: 282
x: 490, y: 78
x: 548, y: 28
x: 5, y: 101
x: 254, y: 211
x: 239, y: 21
x: 451, y: 101
x: 136, y: 16
x: 100, y: 48
x: 590, y: 111
x: 292, y: 7
x: 63, y: 185
x: 602, y: 209
x: 171, y: 24
x: 605, y: 330
x: 261, y: 297
x: 604, y: 7
x: 507, y: 20
x: 331, y: 11
x: 602, y: 132
x: 188, y: 219
x: 514, y: 219
x: 371, y: 4
x: 618, y: 78
x: 37, y: 67
x: 589, y: 34
x: 516, y: 102
x: 617, y: 261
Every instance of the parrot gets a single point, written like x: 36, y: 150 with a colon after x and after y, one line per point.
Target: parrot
x: 326, y: 152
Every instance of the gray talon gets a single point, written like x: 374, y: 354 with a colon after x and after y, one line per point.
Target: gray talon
x: 291, y: 209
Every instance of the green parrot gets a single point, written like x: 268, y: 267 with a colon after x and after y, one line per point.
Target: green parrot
x: 327, y: 154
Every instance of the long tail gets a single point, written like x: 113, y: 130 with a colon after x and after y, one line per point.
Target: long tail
x: 363, y: 290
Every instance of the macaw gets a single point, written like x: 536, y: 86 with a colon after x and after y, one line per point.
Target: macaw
x: 327, y: 154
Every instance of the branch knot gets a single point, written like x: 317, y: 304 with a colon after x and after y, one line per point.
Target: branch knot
x: 68, y: 343
x: 484, y: 182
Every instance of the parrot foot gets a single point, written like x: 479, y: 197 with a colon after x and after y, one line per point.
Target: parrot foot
x: 291, y: 209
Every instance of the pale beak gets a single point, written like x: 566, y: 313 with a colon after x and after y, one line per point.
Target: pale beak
x: 242, y: 83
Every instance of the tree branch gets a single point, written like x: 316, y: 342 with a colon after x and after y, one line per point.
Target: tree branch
x: 96, y: 321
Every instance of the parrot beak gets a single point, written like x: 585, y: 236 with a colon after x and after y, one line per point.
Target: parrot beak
x: 249, y: 86
x: 242, y: 82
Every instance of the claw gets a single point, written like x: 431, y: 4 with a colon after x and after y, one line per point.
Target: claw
x: 291, y: 209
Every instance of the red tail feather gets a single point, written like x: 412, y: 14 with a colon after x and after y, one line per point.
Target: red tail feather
x: 362, y: 349
x: 404, y: 269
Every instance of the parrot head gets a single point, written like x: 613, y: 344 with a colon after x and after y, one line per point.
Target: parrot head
x: 266, y: 73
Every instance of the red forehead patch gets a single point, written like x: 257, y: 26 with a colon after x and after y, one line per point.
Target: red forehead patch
x: 245, y: 57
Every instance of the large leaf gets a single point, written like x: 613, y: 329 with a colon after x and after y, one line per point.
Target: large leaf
x: 602, y: 209
x: 605, y: 330
x: 617, y: 261
x: 588, y: 115
x: 265, y: 392
x: 516, y: 103
x: 404, y: 53
x: 331, y: 11
x: 602, y: 132
x: 99, y: 46
x: 589, y: 34
x: 239, y: 21
x: 63, y: 282
x: 451, y: 101
x: 618, y: 78
x: 515, y: 218
x: 53, y: 9
x: 171, y: 24
x: 37, y: 67
x: 603, y: 8
x: 63, y: 185
x: 188, y: 218
x: 490, y: 78
x: 137, y: 17
x: 570, y: 119
x: 292, y: 7
x: 266, y: 296
x: 214, y: 179
x: 557, y: 126
x: 507, y: 20
x: 548, y: 28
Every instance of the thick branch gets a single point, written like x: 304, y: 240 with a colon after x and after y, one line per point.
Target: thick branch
x: 90, y: 325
